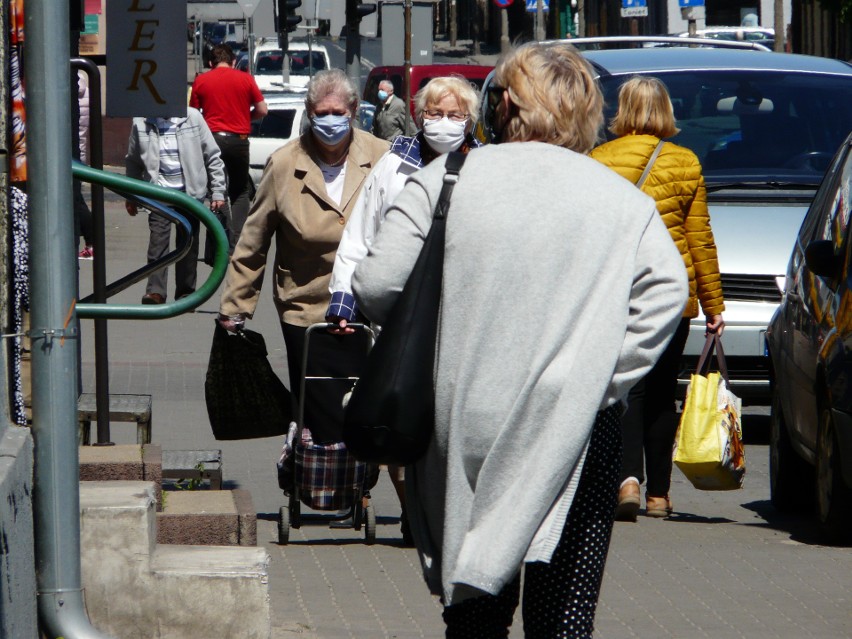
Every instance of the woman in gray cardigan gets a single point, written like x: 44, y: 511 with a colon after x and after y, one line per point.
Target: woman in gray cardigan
x: 561, y: 288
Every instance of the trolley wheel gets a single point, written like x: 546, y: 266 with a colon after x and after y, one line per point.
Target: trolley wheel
x: 370, y: 524
x: 284, y: 525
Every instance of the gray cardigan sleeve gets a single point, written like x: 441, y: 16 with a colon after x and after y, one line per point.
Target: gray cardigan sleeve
x: 658, y: 296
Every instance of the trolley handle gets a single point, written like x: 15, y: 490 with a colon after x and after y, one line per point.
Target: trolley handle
x: 327, y: 325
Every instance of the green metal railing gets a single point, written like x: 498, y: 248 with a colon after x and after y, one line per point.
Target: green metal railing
x: 124, y: 185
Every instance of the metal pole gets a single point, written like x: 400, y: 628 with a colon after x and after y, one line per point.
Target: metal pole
x: 539, y: 20
x: 406, y: 79
x: 454, y: 25
x: 581, y: 18
x: 353, y: 43
x: 99, y: 294
x: 56, y: 482
x: 251, y: 45
x: 780, y: 27
x: 504, y: 31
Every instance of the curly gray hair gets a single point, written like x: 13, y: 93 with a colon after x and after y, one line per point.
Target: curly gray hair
x: 331, y: 82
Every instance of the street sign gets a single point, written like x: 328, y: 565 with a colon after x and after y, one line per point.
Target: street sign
x: 634, y: 8
x: 248, y: 7
x: 502, y: 4
x: 532, y: 5
x: 690, y: 3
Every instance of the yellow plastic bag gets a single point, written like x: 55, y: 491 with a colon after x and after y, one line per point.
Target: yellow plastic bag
x: 708, y: 446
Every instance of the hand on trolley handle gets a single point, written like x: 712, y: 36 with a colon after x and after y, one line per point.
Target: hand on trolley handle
x: 340, y: 326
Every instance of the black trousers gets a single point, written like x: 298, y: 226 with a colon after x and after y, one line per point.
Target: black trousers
x: 560, y: 597
x: 235, y: 155
x: 649, y: 425
x: 328, y: 356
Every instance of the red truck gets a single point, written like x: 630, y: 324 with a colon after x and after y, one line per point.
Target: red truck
x: 420, y: 75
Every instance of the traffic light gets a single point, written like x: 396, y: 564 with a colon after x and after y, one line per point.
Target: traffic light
x: 287, y: 18
x: 356, y: 10
x: 365, y: 8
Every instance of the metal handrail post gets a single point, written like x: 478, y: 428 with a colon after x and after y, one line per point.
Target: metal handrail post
x: 99, y: 245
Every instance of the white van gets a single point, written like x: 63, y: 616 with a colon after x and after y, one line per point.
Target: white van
x: 305, y: 60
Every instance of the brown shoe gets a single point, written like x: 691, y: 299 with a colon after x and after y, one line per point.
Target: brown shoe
x: 153, y: 298
x: 628, y: 502
x: 658, y: 506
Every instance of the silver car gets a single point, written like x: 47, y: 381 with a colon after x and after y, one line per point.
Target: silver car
x: 764, y: 126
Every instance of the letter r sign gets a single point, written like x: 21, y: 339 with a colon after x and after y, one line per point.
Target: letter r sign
x: 146, y: 58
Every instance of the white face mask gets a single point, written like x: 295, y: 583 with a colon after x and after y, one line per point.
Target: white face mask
x: 444, y: 135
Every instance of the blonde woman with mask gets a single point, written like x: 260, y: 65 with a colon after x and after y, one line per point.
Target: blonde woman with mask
x: 447, y: 109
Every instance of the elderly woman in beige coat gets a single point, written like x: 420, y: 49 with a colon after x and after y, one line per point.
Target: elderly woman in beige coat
x: 307, y: 193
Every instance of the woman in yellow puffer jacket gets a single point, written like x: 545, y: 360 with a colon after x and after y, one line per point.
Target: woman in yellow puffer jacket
x: 644, y: 117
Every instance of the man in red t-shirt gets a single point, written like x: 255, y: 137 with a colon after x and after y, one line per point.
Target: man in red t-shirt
x: 230, y: 100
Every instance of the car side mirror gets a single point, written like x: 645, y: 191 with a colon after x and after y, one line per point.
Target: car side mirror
x: 821, y: 259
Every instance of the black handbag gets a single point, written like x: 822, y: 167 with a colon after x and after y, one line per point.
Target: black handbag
x: 209, y: 256
x: 390, y: 416
x: 245, y: 398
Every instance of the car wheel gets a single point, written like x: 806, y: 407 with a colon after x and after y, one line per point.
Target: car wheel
x: 833, y: 496
x: 790, y: 476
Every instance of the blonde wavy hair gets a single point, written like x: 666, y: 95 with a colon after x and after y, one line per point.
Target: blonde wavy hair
x: 644, y: 108
x: 554, y: 95
x: 437, y: 88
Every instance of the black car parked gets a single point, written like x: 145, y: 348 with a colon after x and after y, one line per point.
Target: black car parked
x: 810, y: 345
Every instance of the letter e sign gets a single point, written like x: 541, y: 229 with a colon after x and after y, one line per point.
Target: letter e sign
x: 146, y: 58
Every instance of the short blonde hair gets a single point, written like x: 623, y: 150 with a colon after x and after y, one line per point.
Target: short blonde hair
x: 437, y: 88
x: 555, y: 96
x: 331, y: 82
x: 644, y: 108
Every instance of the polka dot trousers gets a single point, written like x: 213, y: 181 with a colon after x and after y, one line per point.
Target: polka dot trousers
x: 560, y: 597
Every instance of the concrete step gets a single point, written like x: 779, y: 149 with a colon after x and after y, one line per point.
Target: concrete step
x: 194, y: 465
x: 137, y: 589
x: 130, y: 462
x: 207, y: 517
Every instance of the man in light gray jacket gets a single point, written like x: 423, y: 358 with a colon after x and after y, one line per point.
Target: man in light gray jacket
x: 177, y: 153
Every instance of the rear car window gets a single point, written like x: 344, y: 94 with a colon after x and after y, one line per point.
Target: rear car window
x: 301, y: 62
x: 278, y: 123
x: 756, y: 125
x: 271, y: 62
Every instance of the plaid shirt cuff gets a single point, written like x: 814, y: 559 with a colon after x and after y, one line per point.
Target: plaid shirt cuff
x: 342, y: 305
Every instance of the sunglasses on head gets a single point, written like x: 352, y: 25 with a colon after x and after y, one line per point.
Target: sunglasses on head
x: 494, y: 94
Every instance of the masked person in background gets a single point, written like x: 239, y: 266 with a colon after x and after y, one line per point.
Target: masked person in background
x: 447, y: 110
x: 308, y: 191
x: 389, y: 121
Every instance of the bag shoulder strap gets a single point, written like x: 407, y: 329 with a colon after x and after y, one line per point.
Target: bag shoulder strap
x: 650, y: 164
x: 455, y: 161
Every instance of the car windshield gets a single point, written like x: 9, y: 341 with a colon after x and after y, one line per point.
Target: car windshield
x: 270, y: 62
x: 756, y: 126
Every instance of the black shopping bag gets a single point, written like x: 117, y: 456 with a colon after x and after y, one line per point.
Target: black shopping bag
x: 245, y: 398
